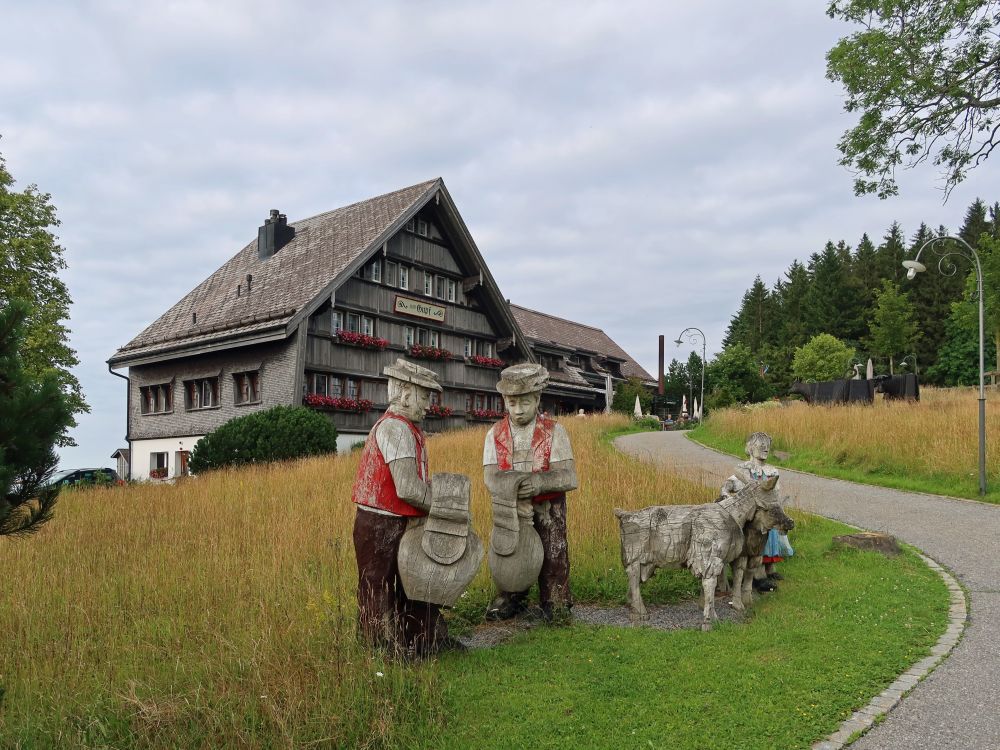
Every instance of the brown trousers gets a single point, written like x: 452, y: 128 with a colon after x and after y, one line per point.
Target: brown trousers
x: 386, y: 617
x: 553, y: 579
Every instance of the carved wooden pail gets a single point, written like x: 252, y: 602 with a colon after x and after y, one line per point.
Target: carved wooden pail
x: 518, y: 570
x: 439, y: 554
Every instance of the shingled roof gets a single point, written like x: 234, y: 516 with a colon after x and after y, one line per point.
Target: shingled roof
x: 323, y: 248
x: 542, y: 328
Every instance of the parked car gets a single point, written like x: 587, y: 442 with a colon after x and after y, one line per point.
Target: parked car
x: 71, y: 477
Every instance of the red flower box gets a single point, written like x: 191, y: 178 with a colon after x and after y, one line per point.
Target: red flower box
x: 482, y: 361
x: 429, y: 352
x: 158, y: 473
x: 486, y: 414
x: 340, y: 403
x: 436, y: 410
x: 362, y: 339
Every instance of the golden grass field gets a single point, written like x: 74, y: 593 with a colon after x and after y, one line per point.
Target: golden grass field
x: 937, y: 437
x: 221, y: 609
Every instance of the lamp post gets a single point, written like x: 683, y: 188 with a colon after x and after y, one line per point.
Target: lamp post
x: 692, y: 336
x: 902, y: 362
x: 948, y: 268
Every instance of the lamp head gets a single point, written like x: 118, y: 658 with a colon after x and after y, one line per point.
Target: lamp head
x: 913, y: 267
x: 678, y: 342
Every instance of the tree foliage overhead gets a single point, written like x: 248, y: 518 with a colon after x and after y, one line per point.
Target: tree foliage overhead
x: 30, y: 263
x: 33, y: 414
x: 922, y: 75
x: 277, y: 434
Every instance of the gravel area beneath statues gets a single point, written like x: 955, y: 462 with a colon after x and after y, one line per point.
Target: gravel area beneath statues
x: 661, y: 617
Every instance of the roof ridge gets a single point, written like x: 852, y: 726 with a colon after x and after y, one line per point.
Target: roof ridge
x: 556, y: 317
x: 368, y: 200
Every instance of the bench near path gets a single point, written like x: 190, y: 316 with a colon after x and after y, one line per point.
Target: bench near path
x: 958, y: 705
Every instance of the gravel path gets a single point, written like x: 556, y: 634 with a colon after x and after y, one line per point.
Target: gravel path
x: 958, y: 705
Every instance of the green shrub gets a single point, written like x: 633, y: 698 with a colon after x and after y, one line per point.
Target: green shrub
x: 276, y: 434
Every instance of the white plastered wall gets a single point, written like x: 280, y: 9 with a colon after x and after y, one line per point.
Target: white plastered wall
x: 142, y: 451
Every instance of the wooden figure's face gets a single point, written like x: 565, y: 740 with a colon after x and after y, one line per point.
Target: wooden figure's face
x: 412, y: 402
x: 522, y: 408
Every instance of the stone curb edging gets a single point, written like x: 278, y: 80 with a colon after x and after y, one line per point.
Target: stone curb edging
x: 864, y: 718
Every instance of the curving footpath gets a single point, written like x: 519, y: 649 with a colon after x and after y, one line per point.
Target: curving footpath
x: 958, y: 704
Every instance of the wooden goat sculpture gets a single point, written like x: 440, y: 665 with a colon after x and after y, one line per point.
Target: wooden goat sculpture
x: 701, y: 538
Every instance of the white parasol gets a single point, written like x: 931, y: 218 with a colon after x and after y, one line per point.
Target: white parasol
x: 684, y: 405
x: 870, y: 370
x: 638, y: 408
x: 697, y: 410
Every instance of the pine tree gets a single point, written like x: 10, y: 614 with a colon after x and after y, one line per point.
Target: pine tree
x: 34, y: 412
x: 792, y: 297
x: 864, y: 271
x: 832, y: 304
x: 753, y: 325
x: 891, y: 254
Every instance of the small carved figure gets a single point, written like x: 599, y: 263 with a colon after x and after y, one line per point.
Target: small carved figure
x: 528, y: 469
x: 390, y: 488
x: 760, y: 572
x: 701, y: 538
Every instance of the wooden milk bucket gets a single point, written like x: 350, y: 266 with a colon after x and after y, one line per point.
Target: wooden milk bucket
x: 439, y: 554
x: 516, y: 553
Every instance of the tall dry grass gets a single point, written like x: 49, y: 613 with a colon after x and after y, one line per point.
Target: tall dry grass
x: 220, y: 611
x: 937, y: 437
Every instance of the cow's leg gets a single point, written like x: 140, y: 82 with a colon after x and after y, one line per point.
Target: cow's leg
x: 722, y: 585
x: 708, y: 592
x: 636, y: 606
x: 739, y: 570
x: 752, y: 564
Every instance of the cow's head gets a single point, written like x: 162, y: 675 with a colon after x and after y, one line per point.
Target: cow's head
x: 765, y: 485
x: 772, y: 516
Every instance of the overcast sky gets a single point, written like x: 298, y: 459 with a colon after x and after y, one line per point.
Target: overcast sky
x: 630, y: 165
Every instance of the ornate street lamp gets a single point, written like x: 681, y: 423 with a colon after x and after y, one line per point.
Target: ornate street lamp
x: 948, y: 268
x: 692, y: 336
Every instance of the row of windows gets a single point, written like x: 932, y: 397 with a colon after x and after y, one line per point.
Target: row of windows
x: 357, y: 323
x: 397, y: 275
x: 335, y: 386
x: 199, y: 393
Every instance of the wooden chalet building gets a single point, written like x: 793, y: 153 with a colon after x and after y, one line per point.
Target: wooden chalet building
x: 311, y: 312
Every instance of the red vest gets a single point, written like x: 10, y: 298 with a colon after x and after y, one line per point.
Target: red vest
x: 373, y: 485
x: 541, y: 450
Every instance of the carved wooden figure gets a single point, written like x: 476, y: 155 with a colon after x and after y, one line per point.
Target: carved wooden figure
x: 701, y: 538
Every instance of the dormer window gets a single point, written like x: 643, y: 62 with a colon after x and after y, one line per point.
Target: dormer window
x: 202, y: 393
x: 156, y: 399
x: 422, y: 228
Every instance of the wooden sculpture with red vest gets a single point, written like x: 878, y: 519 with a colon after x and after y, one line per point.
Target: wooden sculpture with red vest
x: 528, y: 469
x: 392, y: 485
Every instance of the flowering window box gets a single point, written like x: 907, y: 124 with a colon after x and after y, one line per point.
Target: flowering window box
x: 419, y: 351
x: 362, y: 339
x: 338, y: 403
x: 436, y: 410
x: 482, y: 361
x: 160, y: 473
x: 485, y: 414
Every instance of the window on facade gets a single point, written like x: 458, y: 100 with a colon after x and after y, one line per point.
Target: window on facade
x: 375, y: 271
x: 202, y: 393
x: 422, y: 228
x: 367, y: 325
x: 404, y: 277
x: 422, y: 336
x: 441, y: 288
x: 411, y: 225
x: 246, y: 388
x: 391, y: 273
x: 353, y: 390
x: 452, y: 290
x: 428, y: 283
x: 483, y: 348
x: 158, y: 462
x: 435, y: 398
x: 320, y: 384
x: 353, y: 322
x: 408, y: 336
x: 336, y: 386
x: 156, y: 399
x: 434, y: 339
x: 336, y: 321
x: 468, y: 347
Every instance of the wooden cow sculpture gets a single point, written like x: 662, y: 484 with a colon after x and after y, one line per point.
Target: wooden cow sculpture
x: 701, y: 538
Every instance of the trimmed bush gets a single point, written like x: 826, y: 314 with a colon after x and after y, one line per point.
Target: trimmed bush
x: 276, y: 434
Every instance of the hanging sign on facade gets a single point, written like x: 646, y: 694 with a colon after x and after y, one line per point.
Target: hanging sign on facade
x: 420, y: 309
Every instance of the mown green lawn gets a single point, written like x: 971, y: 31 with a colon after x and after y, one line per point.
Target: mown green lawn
x: 842, y: 626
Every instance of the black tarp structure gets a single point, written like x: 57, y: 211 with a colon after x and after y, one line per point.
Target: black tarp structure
x: 859, y: 391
